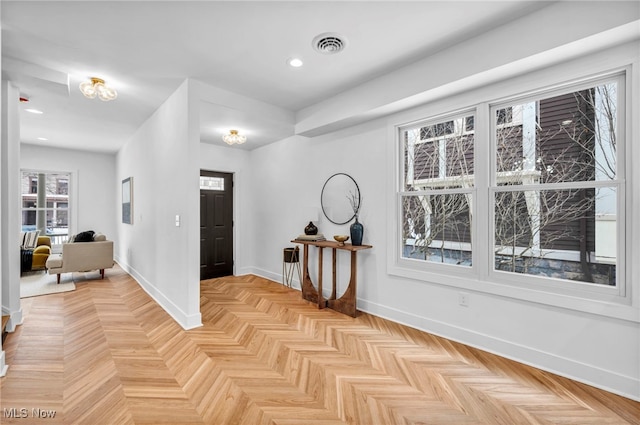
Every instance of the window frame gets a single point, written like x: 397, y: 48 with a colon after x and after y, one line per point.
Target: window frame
x: 610, y: 301
x: 551, y: 284
x: 72, y: 202
x: 207, y: 183
x: 415, y: 264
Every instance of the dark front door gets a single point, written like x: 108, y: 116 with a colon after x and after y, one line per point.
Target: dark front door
x: 216, y: 224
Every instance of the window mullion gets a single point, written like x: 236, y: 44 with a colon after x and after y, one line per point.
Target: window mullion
x: 481, y: 227
x: 558, y: 186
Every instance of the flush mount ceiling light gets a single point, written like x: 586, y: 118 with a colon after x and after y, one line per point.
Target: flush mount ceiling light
x: 329, y: 43
x: 233, y: 138
x: 96, y: 87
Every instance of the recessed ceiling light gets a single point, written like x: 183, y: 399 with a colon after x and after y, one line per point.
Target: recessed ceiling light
x: 295, y: 62
x: 42, y: 138
x: 34, y: 111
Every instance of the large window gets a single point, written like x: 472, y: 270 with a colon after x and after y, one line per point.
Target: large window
x: 437, y: 191
x: 555, y: 186
x: 45, y: 204
x: 527, y: 191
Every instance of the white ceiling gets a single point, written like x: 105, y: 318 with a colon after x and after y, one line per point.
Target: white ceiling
x: 146, y: 49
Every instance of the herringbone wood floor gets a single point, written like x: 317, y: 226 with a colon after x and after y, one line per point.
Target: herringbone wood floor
x: 107, y: 354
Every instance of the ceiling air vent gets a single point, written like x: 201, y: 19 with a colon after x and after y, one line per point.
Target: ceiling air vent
x: 329, y: 43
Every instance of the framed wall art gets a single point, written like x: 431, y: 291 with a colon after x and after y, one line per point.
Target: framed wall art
x: 127, y: 200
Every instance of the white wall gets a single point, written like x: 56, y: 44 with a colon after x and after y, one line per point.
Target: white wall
x: 3, y: 164
x: 9, y: 199
x: 287, y: 181
x: 162, y: 157
x: 10, y: 202
x: 92, y: 184
x: 287, y: 177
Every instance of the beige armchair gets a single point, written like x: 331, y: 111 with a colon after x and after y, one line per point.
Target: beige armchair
x: 82, y: 257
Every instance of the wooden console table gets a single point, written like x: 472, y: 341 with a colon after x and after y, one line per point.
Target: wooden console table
x: 347, y: 302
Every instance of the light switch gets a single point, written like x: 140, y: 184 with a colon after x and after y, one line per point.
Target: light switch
x: 177, y: 220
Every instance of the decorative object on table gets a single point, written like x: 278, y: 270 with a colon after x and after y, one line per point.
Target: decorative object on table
x: 290, y: 261
x: 127, y: 200
x: 356, y: 229
x: 312, y: 238
x: 311, y: 229
x: 335, y: 198
x: 357, y: 232
x: 341, y: 239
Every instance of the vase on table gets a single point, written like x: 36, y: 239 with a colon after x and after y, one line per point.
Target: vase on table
x: 311, y: 229
x: 357, y: 230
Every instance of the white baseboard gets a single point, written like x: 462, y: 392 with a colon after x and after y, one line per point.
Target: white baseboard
x: 243, y: 271
x: 186, y: 321
x: 600, y: 378
x: 15, y: 318
x: 3, y: 365
x: 276, y: 277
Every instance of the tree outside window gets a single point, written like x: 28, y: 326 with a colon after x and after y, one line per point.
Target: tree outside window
x: 554, y: 197
x: 437, y: 196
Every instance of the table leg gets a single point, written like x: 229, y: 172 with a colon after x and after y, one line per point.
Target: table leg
x: 309, y: 292
x: 321, y: 302
x: 346, y: 304
x: 333, y: 268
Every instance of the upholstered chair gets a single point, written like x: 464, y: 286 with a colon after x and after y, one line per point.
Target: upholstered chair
x: 41, y: 253
x: 82, y: 257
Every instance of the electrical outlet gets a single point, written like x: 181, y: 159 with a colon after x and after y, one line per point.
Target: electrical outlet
x: 463, y: 299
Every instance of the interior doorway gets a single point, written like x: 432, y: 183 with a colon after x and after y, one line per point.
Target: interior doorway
x: 216, y: 224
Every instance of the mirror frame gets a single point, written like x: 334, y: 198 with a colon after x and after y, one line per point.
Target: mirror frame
x: 322, y: 196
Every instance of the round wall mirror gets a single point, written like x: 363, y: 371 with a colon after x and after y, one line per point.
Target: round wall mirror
x: 339, y: 195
